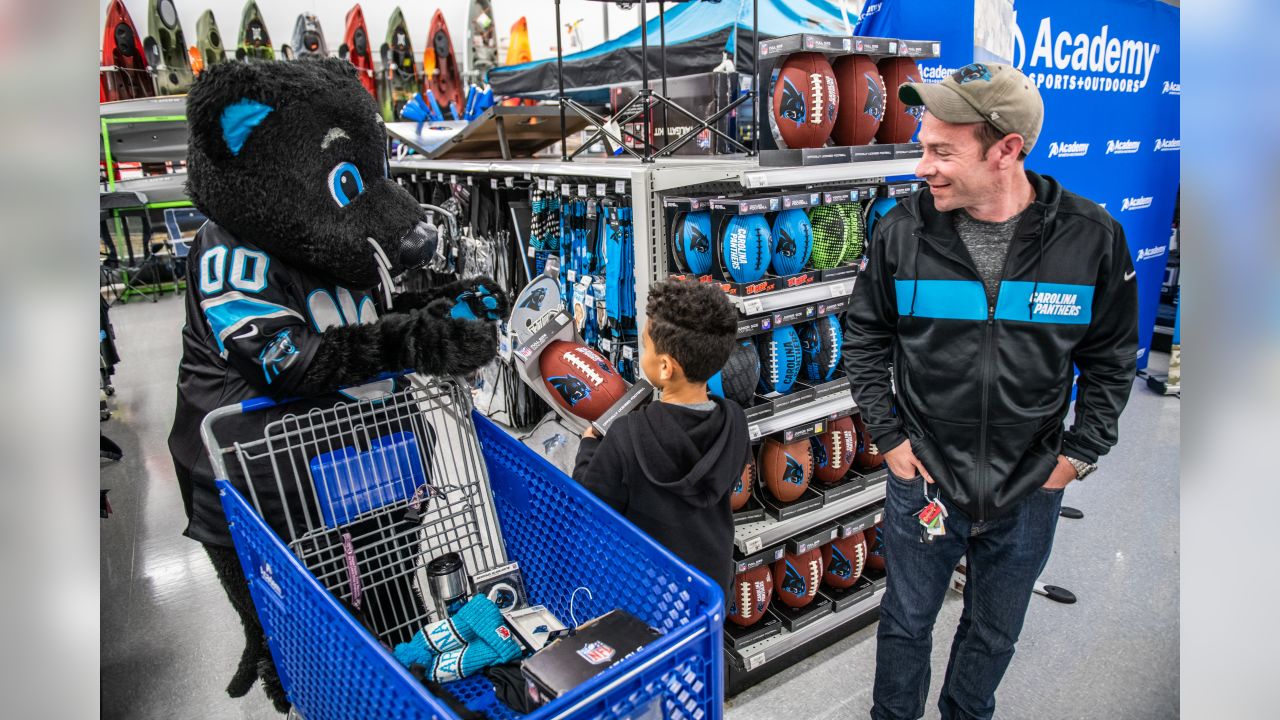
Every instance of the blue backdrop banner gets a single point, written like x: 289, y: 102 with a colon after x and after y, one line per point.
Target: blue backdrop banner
x: 1108, y: 72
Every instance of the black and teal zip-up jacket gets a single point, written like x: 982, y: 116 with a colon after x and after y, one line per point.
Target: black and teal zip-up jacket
x: 982, y: 391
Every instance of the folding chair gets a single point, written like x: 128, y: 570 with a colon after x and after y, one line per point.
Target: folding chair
x: 119, y: 206
x: 180, y: 222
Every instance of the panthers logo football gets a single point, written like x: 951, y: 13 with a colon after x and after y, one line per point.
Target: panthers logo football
x: 794, y: 473
x: 792, y: 103
x: 794, y: 582
x: 875, y: 98
x: 571, y: 389
x: 698, y: 241
x: 840, y: 565
x: 786, y: 244
x: 819, y: 452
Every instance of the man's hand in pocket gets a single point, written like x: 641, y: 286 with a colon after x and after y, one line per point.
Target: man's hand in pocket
x: 904, y: 464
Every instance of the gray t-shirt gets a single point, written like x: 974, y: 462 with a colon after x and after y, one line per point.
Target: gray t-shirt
x: 988, y: 244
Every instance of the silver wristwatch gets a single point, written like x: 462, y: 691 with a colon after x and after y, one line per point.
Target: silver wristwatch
x: 1082, y: 468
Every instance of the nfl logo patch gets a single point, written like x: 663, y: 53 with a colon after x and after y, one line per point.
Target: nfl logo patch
x: 503, y: 632
x: 596, y: 652
x: 862, y: 266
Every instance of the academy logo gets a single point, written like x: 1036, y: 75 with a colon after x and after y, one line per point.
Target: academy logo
x: 1171, y: 88
x: 1170, y: 145
x: 1123, y: 147
x: 1056, y: 304
x: 936, y: 73
x: 1136, y: 203
x: 1152, y: 252
x: 1068, y: 149
x: 1076, y: 60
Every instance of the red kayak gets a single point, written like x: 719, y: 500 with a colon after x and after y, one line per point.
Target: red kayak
x: 355, y: 47
x: 440, y: 68
x: 123, y: 74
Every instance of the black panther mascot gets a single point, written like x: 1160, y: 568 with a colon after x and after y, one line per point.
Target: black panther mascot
x: 288, y: 160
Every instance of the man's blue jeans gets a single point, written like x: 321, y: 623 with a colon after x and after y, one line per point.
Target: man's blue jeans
x: 1004, y: 557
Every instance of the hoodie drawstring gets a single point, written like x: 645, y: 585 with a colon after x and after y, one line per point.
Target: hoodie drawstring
x: 1035, y: 286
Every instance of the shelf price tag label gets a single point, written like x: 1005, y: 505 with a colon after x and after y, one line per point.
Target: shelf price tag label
x: 627, y: 352
x: 600, y: 189
x: 620, y: 187
x: 453, y: 179
x: 493, y: 183
x: 753, y: 662
x: 582, y: 189
x: 755, y: 544
x: 542, y: 183
x: 838, y: 290
x: 754, y: 430
x: 753, y: 306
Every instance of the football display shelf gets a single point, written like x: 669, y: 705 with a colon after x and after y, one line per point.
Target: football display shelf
x: 754, y: 177
x: 753, y: 537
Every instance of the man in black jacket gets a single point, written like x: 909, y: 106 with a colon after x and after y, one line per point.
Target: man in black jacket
x: 979, y: 296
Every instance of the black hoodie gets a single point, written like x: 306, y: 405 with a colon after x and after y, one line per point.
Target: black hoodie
x: 982, y: 390
x: 670, y: 470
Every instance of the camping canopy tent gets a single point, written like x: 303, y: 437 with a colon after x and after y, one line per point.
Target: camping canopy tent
x: 698, y: 34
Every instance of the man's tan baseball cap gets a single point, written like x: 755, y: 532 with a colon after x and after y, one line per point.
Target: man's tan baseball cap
x: 983, y: 92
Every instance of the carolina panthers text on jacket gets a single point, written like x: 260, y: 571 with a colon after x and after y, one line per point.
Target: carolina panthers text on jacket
x: 982, y: 390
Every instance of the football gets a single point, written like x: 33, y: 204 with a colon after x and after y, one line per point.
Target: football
x: 854, y: 237
x: 752, y: 592
x: 792, y: 241
x: 580, y: 379
x: 693, y: 241
x: 875, y: 547
x: 744, y: 247
x: 875, y: 211
x: 868, y: 456
x: 820, y: 340
x: 796, y: 577
x: 844, y: 559
x: 780, y: 359
x: 806, y: 101
x: 785, y: 469
x: 742, y: 490
x: 900, y: 120
x: 833, y: 451
x: 831, y: 232
x: 862, y: 88
x: 738, y: 379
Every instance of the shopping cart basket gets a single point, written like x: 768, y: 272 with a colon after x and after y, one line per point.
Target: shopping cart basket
x: 373, y: 490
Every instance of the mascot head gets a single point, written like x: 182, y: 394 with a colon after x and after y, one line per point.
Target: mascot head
x: 292, y: 157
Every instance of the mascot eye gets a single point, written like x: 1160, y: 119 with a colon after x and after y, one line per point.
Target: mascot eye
x: 345, y: 183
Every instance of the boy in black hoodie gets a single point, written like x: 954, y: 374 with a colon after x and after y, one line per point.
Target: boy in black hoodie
x: 670, y: 467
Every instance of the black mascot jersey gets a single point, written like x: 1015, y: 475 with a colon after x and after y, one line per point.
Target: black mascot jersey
x: 252, y: 328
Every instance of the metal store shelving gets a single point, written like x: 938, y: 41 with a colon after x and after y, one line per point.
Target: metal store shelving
x: 753, y: 537
x: 758, y: 654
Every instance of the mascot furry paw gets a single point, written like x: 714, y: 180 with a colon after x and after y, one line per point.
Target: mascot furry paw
x: 288, y: 161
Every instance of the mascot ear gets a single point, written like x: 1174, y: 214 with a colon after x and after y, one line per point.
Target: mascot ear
x: 239, y: 119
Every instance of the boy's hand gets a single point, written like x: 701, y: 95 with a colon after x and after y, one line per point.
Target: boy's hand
x: 590, y: 432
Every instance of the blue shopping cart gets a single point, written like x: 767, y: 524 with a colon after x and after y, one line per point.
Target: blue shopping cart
x: 370, y: 491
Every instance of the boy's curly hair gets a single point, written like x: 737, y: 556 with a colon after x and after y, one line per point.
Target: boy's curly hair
x: 694, y: 323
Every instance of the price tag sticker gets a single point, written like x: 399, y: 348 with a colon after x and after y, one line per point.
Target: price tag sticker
x: 453, y: 179
x: 582, y: 189
x: 600, y: 189
x: 755, y: 544
x: 753, y: 430
x: 532, y: 252
x: 565, y: 190
x: 606, y: 344
x: 627, y: 352
x: 620, y: 187
x: 493, y: 183
x: 511, y: 182
x: 753, y: 662
x: 551, y: 185
x: 542, y: 184
x: 753, y: 306
x: 838, y: 290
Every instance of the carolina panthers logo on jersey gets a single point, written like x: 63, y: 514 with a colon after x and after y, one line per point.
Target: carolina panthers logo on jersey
x: 793, y: 107
x: 794, y: 582
x: 573, y: 390
x: 277, y: 356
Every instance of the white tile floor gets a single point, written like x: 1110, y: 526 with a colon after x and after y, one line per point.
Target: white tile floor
x: 170, y: 641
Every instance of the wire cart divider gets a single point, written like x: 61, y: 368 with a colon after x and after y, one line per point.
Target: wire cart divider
x: 371, y: 490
